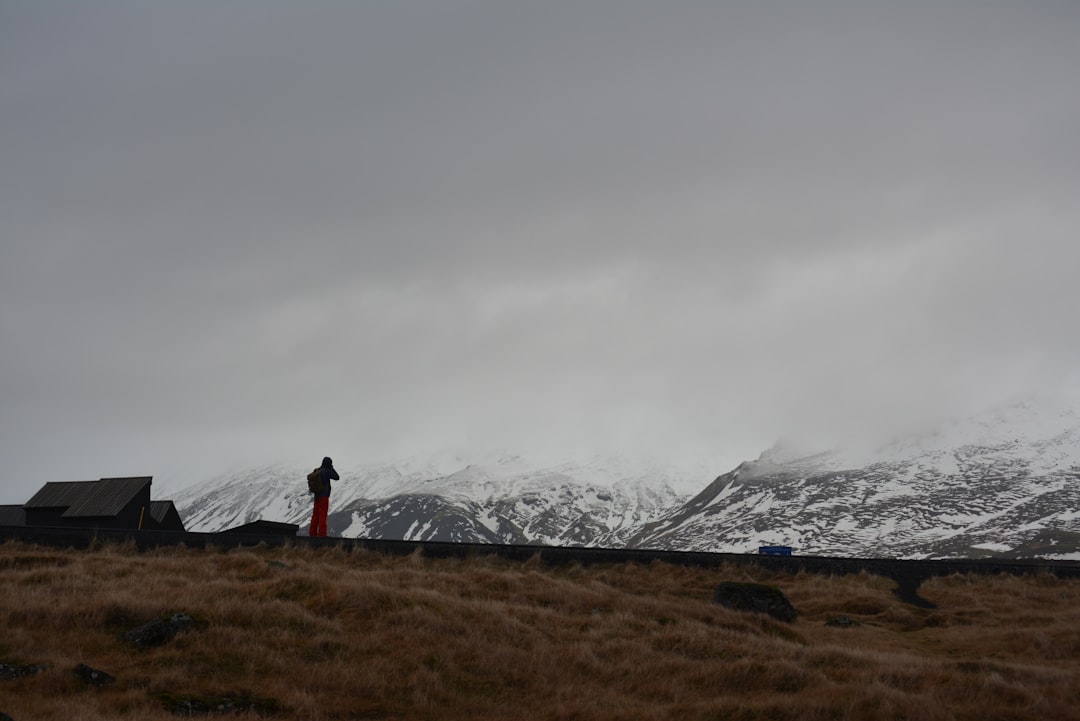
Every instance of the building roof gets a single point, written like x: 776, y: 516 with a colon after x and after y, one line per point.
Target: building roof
x: 261, y: 526
x: 89, y: 499
x: 57, y: 494
x: 108, y: 497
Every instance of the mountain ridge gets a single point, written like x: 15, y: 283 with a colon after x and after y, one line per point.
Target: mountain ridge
x: 502, y: 499
x: 1005, y: 482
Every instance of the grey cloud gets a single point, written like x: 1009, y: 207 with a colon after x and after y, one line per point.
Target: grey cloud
x: 236, y: 230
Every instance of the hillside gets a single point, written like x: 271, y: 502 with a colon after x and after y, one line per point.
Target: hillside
x: 297, y: 632
x: 1002, y: 483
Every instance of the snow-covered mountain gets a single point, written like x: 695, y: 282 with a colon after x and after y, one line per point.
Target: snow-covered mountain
x: 1005, y: 482
x: 446, y: 497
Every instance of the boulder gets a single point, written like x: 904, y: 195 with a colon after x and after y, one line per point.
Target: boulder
x: 12, y: 671
x: 159, y: 631
x: 190, y: 705
x: 756, y: 598
x: 93, y: 677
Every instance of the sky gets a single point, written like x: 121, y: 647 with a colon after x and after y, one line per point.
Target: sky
x: 233, y: 233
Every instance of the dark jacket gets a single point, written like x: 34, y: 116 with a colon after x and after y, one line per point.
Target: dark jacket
x: 328, y: 473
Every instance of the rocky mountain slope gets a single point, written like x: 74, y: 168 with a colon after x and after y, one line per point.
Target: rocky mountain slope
x: 1006, y: 482
x: 500, y: 499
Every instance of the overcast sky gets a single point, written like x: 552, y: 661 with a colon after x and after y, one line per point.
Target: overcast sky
x: 239, y: 232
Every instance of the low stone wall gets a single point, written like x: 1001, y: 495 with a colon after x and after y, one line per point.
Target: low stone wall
x: 908, y: 574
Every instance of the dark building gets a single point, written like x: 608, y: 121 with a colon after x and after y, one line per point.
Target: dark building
x: 113, y: 503
x: 166, y: 516
x: 12, y: 516
x: 266, y: 528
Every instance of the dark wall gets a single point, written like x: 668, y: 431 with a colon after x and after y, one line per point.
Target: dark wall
x: 45, y: 517
x: 171, y: 522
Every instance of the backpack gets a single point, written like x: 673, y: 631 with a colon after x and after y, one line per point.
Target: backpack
x: 314, y: 481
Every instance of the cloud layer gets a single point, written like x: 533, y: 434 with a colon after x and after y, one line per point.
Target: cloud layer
x: 234, y: 233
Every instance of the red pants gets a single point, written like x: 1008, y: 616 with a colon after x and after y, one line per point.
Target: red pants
x: 318, y: 516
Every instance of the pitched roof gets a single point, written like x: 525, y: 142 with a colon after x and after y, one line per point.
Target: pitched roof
x: 89, y: 499
x: 107, y: 497
x: 270, y: 527
x: 59, y: 494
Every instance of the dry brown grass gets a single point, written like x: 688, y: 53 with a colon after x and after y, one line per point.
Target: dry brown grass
x: 330, y: 634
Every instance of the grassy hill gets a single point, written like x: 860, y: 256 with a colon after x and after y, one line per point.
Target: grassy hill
x: 302, y: 633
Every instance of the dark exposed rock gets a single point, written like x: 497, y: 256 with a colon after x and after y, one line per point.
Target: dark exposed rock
x: 92, y: 676
x: 907, y: 587
x: 841, y: 622
x: 159, y: 631
x: 193, y: 705
x: 12, y: 671
x: 755, y: 597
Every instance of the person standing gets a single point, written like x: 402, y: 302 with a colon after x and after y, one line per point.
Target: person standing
x: 319, y: 483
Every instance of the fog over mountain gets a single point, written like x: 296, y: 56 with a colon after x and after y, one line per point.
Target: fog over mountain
x: 237, y: 234
x: 1005, y: 482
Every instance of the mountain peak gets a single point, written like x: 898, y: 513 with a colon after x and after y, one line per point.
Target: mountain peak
x: 1004, y: 481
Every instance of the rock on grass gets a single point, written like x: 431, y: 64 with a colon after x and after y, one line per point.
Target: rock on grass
x: 159, y: 631
x: 756, y: 598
